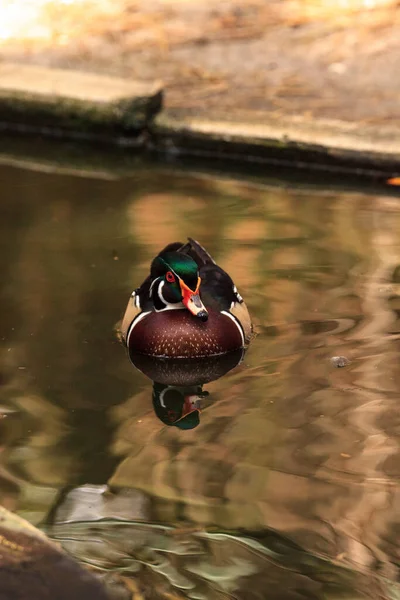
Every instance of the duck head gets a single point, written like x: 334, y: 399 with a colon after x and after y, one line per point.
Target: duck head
x: 178, y: 406
x: 176, y: 281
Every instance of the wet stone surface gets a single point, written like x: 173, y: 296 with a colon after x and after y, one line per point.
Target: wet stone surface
x: 33, y: 568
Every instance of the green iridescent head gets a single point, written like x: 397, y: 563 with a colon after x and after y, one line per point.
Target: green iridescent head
x: 178, y: 275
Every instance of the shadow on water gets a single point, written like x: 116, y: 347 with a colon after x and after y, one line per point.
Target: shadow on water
x: 289, y: 487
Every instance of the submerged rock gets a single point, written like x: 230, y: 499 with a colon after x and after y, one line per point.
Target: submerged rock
x: 34, y: 568
x: 340, y: 361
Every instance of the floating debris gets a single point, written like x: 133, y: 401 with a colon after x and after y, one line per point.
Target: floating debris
x: 340, y: 361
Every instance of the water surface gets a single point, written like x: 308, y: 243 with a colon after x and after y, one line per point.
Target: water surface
x: 289, y: 487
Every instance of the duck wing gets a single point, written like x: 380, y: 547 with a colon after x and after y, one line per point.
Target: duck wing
x: 219, y: 293
x: 199, y: 254
x: 217, y: 288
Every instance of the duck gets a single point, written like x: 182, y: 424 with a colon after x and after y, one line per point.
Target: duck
x: 178, y: 406
x: 187, y: 307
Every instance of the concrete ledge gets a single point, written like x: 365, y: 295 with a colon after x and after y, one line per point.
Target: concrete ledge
x: 56, y: 102
x: 84, y: 104
x: 304, y: 143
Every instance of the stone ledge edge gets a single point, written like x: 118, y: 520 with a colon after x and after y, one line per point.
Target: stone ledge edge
x: 245, y: 137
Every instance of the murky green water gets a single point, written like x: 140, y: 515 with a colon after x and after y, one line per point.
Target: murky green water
x: 289, y: 487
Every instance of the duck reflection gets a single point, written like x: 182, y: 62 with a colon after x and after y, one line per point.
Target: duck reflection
x: 178, y: 406
x: 178, y: 384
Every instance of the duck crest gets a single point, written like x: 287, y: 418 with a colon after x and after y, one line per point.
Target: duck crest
x: 188, y: 307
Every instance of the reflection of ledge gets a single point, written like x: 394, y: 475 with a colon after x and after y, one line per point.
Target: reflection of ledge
x: 65, y: 103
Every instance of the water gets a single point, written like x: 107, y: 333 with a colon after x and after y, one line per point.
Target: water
x: 289, y: 487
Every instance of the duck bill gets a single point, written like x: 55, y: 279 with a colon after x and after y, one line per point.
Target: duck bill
x: 194, y: 304
x: 191, y: 404
x: 192, y: 301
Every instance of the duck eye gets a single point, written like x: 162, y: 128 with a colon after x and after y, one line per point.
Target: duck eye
x: 170, y: 277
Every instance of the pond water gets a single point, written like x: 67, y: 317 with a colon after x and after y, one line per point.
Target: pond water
x: 289, y: 486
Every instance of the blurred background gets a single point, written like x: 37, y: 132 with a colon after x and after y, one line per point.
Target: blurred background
x: 325, y: 58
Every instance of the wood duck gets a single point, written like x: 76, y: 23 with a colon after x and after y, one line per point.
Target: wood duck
x: 188, y: 307
x: 178, y: 406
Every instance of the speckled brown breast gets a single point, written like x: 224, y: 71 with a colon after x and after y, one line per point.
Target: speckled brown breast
x: 177, y: 333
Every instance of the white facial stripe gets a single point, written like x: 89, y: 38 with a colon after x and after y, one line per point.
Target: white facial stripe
x: 238, y: 296
x: 170, y: 387
x: 152, y: 285
x: 162, y: 398
x: 168, y: 305
x: 238, y: 325
x: 159, y: 292
x: 134, y: 323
